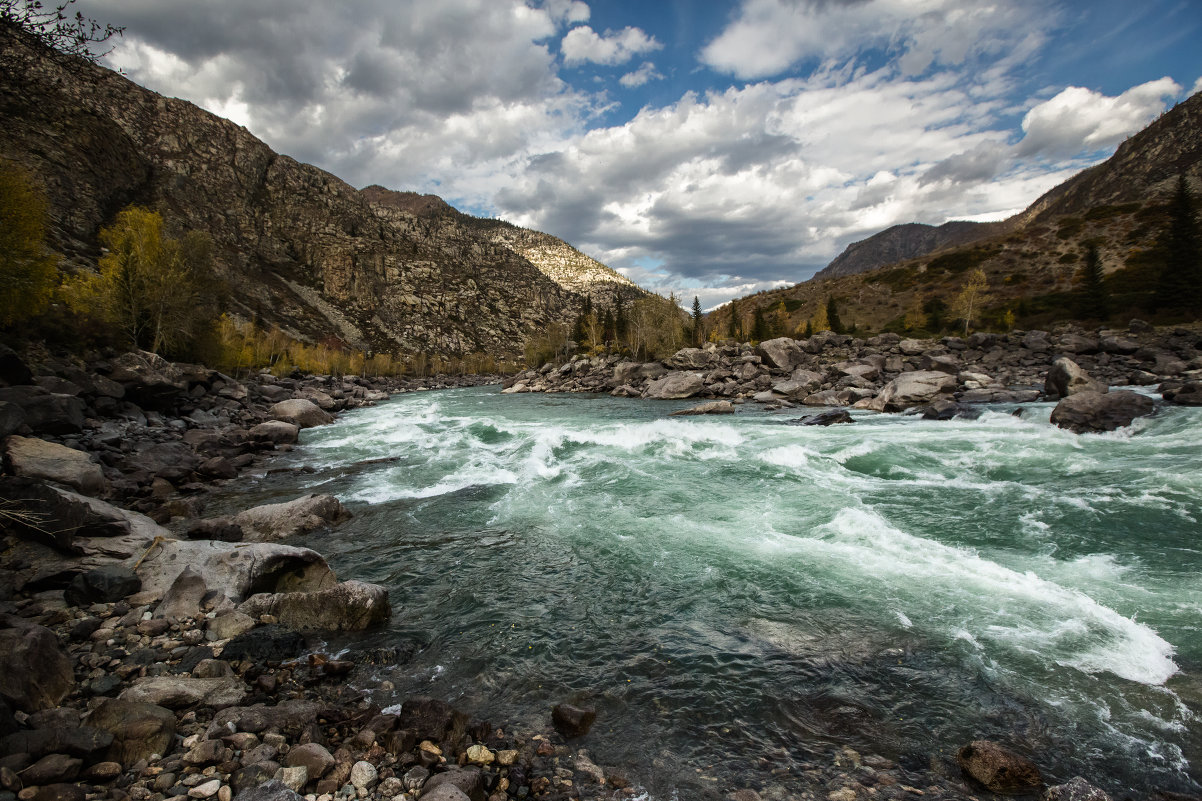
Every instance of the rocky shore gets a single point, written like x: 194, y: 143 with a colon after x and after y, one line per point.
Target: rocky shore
x: 148, y: 652
x: 887, y: 373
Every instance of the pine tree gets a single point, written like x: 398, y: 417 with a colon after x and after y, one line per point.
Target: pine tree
x: 1095, y: 297
x: 809, y: 332
x: 698, y: 333
x: 733, y: 329
x: 759, y: 327
x: 832, y: 315
x: 1180, y: 284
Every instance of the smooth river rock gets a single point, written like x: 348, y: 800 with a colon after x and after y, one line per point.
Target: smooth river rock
x: 301, y: 412
x: 277, y: 521
x: 675, y: 386
x: 1067, y: 378
x: 349, y: 606
x: 912, y: 389
x: 36, y: 458
x: 1088, y: 412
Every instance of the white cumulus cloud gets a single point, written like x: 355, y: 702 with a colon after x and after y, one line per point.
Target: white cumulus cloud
x: 583, y: 44
x: 644, y: 74
x: 1081, y: 120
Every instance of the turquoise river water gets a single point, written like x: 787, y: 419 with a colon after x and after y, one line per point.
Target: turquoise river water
x: 739, y: 597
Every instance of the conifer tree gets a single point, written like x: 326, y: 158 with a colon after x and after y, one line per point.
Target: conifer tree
x: 698, y: 333
x: 1095, y: 297
x: 759, y: 327
x: 809, y: 332
x: 733, y: 329
x: 832, y: 315
x: 1180, y: 283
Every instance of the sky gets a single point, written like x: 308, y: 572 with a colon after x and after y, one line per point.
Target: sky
x: 711, y: 148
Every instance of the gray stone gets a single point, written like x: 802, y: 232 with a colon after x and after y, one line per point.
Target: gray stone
x: 12, y: 417
x: 713, y: 407
x: 177, y: 692
x: 675, y: 386
x: 35, y: 672
x: 349, y: 606
x: 231, y: 624
x: 316, y: 760
x: 783, y: 352
x: 52, y: 768
x: 273, y: 790
x: 467, y: 781
x: 37, y: 458
x: 1066, y: 378
x: 277, y: 432
x: 276, y: 521
x: 690, y: 359
x: 46, y: 412
x: 1097, y: 412
x: 301, y: 412
x: 106, y: 584
x: 182, y: 600
x: 445, y: 791
x: 912, y: 389
x: 1076, y: 789
x: 1188, y: 394
x: 139, y: 730
x: 233, y: 569
x: 363, y: 774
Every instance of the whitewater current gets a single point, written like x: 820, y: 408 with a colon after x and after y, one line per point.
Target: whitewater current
x: 736, y: 591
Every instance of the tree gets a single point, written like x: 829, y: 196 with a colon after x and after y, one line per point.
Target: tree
x: 1095, y: 297
x: 27, y: 270
x: 916, y: 318
x: 935, y: 309
x: 819, y: 320
x: 832, y: 315
x: 698, y: 330
x: 809, y: 331
x: 734, y: 329
x: 778, y: 326
x: 157, y: 290
x: 73, y: 36
x: 1180, y: 282
x: 973, y: 294
x: 759, y: 326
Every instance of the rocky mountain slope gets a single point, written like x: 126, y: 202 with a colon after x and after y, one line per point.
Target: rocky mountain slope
x: 906, y: 241
x: 1032, y: 260
x: 300, y: 248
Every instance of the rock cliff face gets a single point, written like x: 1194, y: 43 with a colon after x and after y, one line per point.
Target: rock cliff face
x: 300, y: 248
x: 907, y: 241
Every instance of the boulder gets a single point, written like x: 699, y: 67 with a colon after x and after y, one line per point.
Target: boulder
x: 52, y: 769
x: 1096, y: 411
x: 827, y: 397
x: 85, y: 742
x: 234, y: 569
x: 349, y: 606
x: 432, y: 719
x: 1036, y: 341
x: 946, y: 409
x: 300, y: 412
x: 149, y: 380
x: 61, y: 516
x: 177, y: 692
x: 455, y: 784
x: 277, y: 432
x: 573, y: 721
x: 675, y: 386
x: 314, y: 757
x: 713, y: 407
x: 783, y: 352
x: 229, y: 625
x: 272, y: 643
x: 35, y: 672
x: 1076, y: 343
x: 912, y: 389
x: 833, y: 417
x: 997, y: 768
x: 1188, y: 394
x: 12, y: 417
x: 46, y: 412
x: 221, y: 529
x: 1066, y: 378
x: 171, y: 461
x: 1076, y: 789
x: 276, y: 521
x: 690, y: 359
x: 36, y: 458
x: 139, y: 730
x: 183, y: 597
x: 273, y: 790
x: 914, y: 347
x: 320, y: 399
x: 104, y: 585
x: 796, y: 390
x: 13, y: 369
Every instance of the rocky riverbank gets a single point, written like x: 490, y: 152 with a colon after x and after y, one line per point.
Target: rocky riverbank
x: 889, y: 373
x: 148, y: 653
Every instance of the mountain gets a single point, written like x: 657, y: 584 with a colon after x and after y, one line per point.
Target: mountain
x: 300, y: 248
x: 1032, y: 260
x: 906, y: 241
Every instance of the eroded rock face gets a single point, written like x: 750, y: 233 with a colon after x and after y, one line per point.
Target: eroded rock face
x: 1097, y: 412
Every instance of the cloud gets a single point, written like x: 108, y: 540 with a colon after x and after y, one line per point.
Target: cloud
x: 583, y: 44
x: 642, y: 75
x: 769, y: 37
x: 1080, y: 120
x: 567, y: 10
x: 1197, y: 87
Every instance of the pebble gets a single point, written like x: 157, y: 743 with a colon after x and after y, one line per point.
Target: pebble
x: 363, y: 774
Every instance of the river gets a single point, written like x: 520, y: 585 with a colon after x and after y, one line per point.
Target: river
x: 738, y: 596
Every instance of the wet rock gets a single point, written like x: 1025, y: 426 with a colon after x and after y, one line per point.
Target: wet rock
x: 61, y: 792
x: 1066, y: 378
x: 217, y: 467
x: 912, y: 389
x: 35, y: 672
x: 175, y: 692
x: 997, y: 768
x: 205, y: 752
x: 1097, y: 412
x: 138, y: 729
x: 301, y: 413
x: 675, y: 386
x: 221, y: 529
x: 713, y: 407
x: 106, y: 584
x: 277, y: 432
x: 235, y: 569
x: 269, y: 791
x: 833, y: 417
x: 266, y: 643
x: 948, y: 409
x: 276, y: 521
x: 51, y: 769
x: 36, y: 458
x: 573, y: 721
x: 1077, y: 789
x: 431, y: 719
x: 1188, y: 394
x: 349, y: 606
x: 316, y: 760
x: 466, y: 781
